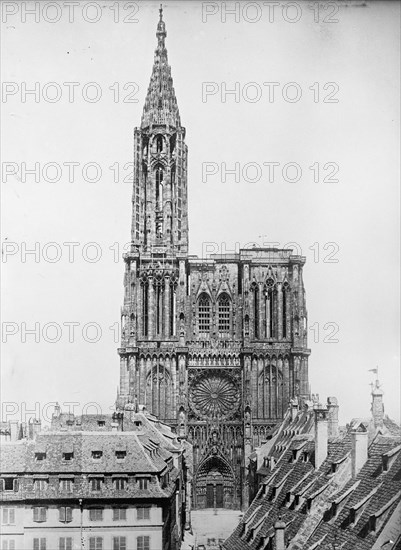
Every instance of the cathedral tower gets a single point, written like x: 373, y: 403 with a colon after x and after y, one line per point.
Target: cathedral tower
x: 214, y: 347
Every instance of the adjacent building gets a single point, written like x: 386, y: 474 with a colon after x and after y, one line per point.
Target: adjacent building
x: 321, y: 487
x: 95, y: 482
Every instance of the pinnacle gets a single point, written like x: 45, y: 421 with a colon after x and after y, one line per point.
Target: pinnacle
x: 161, y: 104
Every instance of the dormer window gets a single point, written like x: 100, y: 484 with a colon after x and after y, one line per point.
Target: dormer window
x: 66, y: 485
x: 97, y: 455
x: 40, y: 456
x: 101, y: 423
x: 143, y: 483
x: 70, y: 422
x: 68, y: 456
x: 119, y: 483
x: 9, y: 484
x: 40, y: 484
x: 120, y: 455
x: 96, y: 483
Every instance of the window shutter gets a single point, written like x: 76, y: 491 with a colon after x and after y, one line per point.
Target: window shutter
x: 16, y: 485
x: 36, y: 544
x: 11, y: 544
x: 11, y: 516
x: 1, y: 484
x: 42, y: 544
x: 43, y: 517
x: 68, y: 514
x: 62, y: 514
x: 36, y: 518
x: 115, y: 514
x: 69, y: 543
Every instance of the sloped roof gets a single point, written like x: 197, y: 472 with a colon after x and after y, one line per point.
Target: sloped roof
x: 377, y: 491
x: 301, y: 496
x: 21, y: 457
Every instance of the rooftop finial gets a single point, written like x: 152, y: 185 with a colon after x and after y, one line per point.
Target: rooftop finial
x: 161, y: 28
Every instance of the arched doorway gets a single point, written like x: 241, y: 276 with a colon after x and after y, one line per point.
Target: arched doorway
x: 215, y: 485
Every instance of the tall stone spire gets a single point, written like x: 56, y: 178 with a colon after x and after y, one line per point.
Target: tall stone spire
x: 160, y: 103
x: 159, y: 216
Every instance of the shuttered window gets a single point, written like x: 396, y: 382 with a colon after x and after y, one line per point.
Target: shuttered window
x: 95, y: 543
x: 119, y: 514
x: 96, y: 514
x: 143, y: 543
x: 119, y: 543
x: 65, y: 543
x: 143, y: 512
x: 65, y: 514
x: 39, y: 514
x: 39, y: 544
x: 8, y: 516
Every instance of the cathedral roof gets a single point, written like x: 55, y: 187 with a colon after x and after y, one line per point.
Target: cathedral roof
x: 161, y: 104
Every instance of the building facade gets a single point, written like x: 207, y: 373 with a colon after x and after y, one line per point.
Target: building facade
x: 94, y: 482
x: 214, y: 347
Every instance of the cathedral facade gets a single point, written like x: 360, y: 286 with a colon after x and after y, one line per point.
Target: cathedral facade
x: 214, y: 347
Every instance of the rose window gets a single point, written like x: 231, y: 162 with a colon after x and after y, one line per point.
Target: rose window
x: 214, y: 396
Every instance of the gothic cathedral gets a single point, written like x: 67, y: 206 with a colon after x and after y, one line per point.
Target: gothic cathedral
x: 214, y: 347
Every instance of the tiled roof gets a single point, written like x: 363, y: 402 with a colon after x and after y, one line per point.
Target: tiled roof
x: 303, y: 497
x: 376, y: 495
x: 147, y: 450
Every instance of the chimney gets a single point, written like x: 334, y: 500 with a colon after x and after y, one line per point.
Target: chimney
x: 377, y: 405
x: 332, y: 407
x: 14, y: 430
x: 359, y: 448
x: 279, y: 528
x: 294, y: 408
x: 321, y: 435
x: 36, y: 427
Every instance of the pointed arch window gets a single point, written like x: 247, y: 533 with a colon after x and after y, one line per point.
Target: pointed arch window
x: 204, y: 310
x: 159, y: 188
x: 159, y: 143
x: 285, y: 308
x: 145, y: 308
x: 256, y: 310
x: 270, y: 305
x: 224, y: 313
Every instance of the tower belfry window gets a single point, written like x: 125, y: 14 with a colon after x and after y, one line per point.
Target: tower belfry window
x: 159, y: 144
x: 159, y: 188
x: 204, y: 313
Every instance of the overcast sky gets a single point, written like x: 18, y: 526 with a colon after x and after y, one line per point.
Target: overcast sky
x: 352, y: 123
